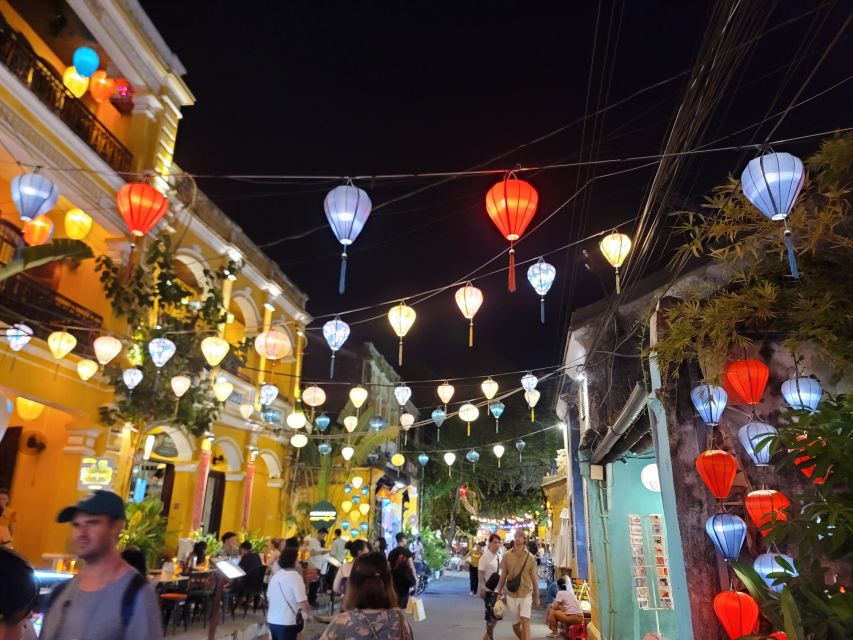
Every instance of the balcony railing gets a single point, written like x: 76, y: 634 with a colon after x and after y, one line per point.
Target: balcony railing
x: 43, y: 80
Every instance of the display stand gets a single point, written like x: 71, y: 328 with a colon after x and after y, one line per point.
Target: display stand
x: 652, y: 586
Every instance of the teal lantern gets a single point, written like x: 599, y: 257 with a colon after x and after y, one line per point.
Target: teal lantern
x: 324, y: 448
x: 423, y: 459
x: 496, y: 408
x: 344, y: 524
x: 86, y: 61
x: 323, y: 421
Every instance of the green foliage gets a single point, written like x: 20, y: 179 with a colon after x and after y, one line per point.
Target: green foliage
x: 259, y: 543
x: 31, y: 257
x: 214, y: 544
x: 145, y: 528
x: 435, y: 549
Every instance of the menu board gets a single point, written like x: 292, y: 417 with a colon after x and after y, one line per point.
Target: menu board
x: 649, y: 562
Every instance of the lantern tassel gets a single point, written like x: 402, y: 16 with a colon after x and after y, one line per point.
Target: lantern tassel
x: 332, y: 367
x: 532, y: 416
x: 469, y: 429
x: 342, y: 282
x: 438, y: 434
x: 497, y: 422
x: 542, y: 310
x: 471, y: 334
x: 400, y: 353
x: 618, y: 282
x: 792, y: 257
x: 511, y: 272
x: 499, y: 463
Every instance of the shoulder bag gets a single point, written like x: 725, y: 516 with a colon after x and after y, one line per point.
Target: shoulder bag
x: 513, y: 584
x: 300, y: 621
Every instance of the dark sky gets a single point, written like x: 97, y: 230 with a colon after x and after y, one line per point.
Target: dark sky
x: 347, y: 88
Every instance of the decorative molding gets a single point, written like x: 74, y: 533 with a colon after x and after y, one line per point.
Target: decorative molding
x: 275, y: 484
x: 186, y: 467
x: 235, y: 477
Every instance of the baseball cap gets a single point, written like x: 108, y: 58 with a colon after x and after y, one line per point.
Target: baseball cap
x: 100, y: 503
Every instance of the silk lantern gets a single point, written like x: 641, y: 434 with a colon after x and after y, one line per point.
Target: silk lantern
x: 490, y: 388
x: 468, y: 412
x: 33, y: 195
x: 267, y: 394
x: 511, y: 205
x: 401, y: 317
x: 767, y: 563
x: 445, y: 392
x: 180, y: 385
x: 650, y: 478
x: 61, y: 344
x: 298, y: 440
x: 106, y: 348
x: 347, y: 453
x: 753, y: 436
x: 347, y: 209
x: 18, y: 336
x: 75, y: 83
x: 398, y: 460
x: 324, y: 448
x: 710, y: 401
x: 86, y: 61
x: 313, y: 396
x: 532, y: 397
x: 377, y: 423
x: 161, y: 350
x: 802, y: 393
x: 335, y: 333
x: 519, y: 445
x: 246, y: 410
x: 541, y: 276
x: 346, y: 506
x: 296, y: 419
x: 131, y: 378
x: 763, y: 505
x: 356, y: 482
x: 38, y: 232
x: 728, y: 533
x: 498, y: 450
x: 529, y: 381
x: 406, y: 421
x: 748, y: 379
x: 449, y: 459
x: 473, y: 457
x: 364, y: 509
x: 469, y: 299
x: 28, y: 410
x: 438, y: 416
x: 717, y: 468
x: 423, y: 459
x: 77, y: 223
x: 615, y: 248
x: 403, y: 393
x: 772, y: 183
x: 141, y: 206
x: 350, y: 423
x: 86, y: 369
x: 273, y: 344
x: 496, y: 408
x: 323, y: 421
x: 737, y: 612
x: 357, y: 396
x: 100, y: 86
x: 222, y: 389
x: 214, y: 349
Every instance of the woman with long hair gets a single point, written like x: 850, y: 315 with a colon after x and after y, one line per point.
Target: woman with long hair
x: 371, y: 604
x: 356, y: 549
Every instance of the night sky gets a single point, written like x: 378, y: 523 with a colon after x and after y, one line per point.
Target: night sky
x: 355, y: 88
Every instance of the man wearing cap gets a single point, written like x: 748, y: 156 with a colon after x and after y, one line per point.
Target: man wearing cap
x: 107, y: 599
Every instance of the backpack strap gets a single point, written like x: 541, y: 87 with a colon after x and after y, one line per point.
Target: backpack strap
x: 128, y: 600
x: 56, y: 592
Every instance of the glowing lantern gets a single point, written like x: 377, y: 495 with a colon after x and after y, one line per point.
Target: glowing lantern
x: 768, y: 563
x: 324, y: 448
x: 222, y: 389
x: 336, y: 333
x: 498, y: 450
x: 489, y: 387
x: 61, y: 343
x: 401, y: 317
x: 753, y: 436
x: 323, y: 421
x: 347, y: 453
x: 267, y: 394
x: 728, y: 532
x: 423, y: 459
x: 748, y: 379
x: 511, y: 205
x: 298, y: 440
x: 357, y: 396
x: 86, y: 368
x: 347, y: 209
x: 106, y: 348
x: 161, y: 350
x: 356, y: 482
x: 313, y: 396
x: 406, y: 421
x: 445, y: 392
x: 214, y: 349
x: 354, y: 517
x: 18, y: 335
x: 650, y: 478
x: 364, y: 508
x: 496, y: 408
x: 141, y: 206
x: 532, y: 397
x: 710, y: 401
x: 28, y: 410
x: 529, y: 381
x: 717, y: 468
x: 33, y: 195
x: 86, y: 61
x: 296, y: 420
x: 78, y: 224
x: 802, y: 393
x: 541, y: 276
x: 350, y: 423
x: 449, y: 459
x: 737, y: 612
x: 468, y: 412
x: 469, y: 299
x: 377, y: 423
x: 398, y: 460
x: 615, y: 247
x: 772, y: 183
x: 100, y: 86
x: 345, y: 525
x: 74, y: 82
x: 472, y: 456
x: 273, y: 345
x: 438, y: 416
x: 403, y: 394
x: 520, y: 444
x: 148, y: 449
x: 764, y: 505
x: 180, y: 385
x: 246, y: 410
x: 802, y: 462
x: 39, y: 231
x: 131, y: 377
x: 346, y: 506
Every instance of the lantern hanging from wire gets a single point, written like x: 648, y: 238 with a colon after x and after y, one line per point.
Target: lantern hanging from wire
x: 296, y: 419
x: 728, y: 533
x: 401, y: 317
x: 141, y: 207
x: 449, y: 459
x: 473, y: 457
x: 106, y: 348
x: 347, y: 453
x: 710, y: 401
x: 717, y: 468
x: 214, y: 349
x: 532, y: 397
x: 161, y: 350
x: 350, y: 423
x: 61, y: 343
x: 755, y: 437
x: 748, y: 378
x: 423, y: 459
x: 377, y: 423
x: 33, y: 195
x: 86, y: 368
x: 38, y: 232
x: 768, y: 563
x: 18, y: 335
x: 273, y: 344
x: 347, y: 209
x: 766, y: 505
x: 541, y: 276
x: 222, y: 389
x: 324, y: 448
x: 445, y: 393
x: 511, y: 205
x: 131, y: 378
x: 403, y: 393
x: 529, y: 381
x: 357, y: 395
x: 180, y: 385
x: 737, y: 612
x: 496, y: 408
x: 498, y: 450
x: 267, y: 394
x: 77, y: 224
x: 490, y: 388
x: 406, y: 421
x: 373, y: 457
x: 438, y: 416
x: 322, y: 422
x: 86, y: 61
x: 469, y: 299
x: 615, y: 248
x: 76, y: 83
x: 802, y: 393
x: 398, y: 460
x: 336, y: 333
x: 313, y: 396
x: 246, y: 410
x: 298, y: 440
x: 469, y: 412
x: 650, y: 477
x: 520, y: 444
x: 100, y: 86
x: 772, y: 183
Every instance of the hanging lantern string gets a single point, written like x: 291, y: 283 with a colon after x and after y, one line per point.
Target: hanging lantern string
x: 485, y: 445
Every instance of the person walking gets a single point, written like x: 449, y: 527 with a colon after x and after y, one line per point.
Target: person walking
x: 18, y: 595
x: 339, y: 553
x: 8, y: 518
x: 318, y: 558
x: 488, y: 577
x: 286, y: 596
x: 107, y: 599
x: 518, y: 577
x: 473, y: 560
x: 371, y: 604
x: 402, y: 570
x: 565, y: 608
x: 356, y: 548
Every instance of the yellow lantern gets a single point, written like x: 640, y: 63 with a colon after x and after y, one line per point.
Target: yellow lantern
x: 356, y: 482
x: 346, y: 506
x: 532, y: 397
x: 615, y: 248
x: 350, y: 423
x: 490, y: 388
x: 354, y: 516
x: 61, y: 343
x: 214, y: 349
x: 469, y: 299
x: 468, y: 412
x: 296, y: 420
x: 357, y: 396
x: 445, y: 392
x: 106, y: 348
x: 401, y: 317
x: 347, y: 452
x: 78, y: 224
x: 86, y: 368
x: 222, y: 389
x: 28, y: 410
x: 364, y: 507
x: 398, y: 460
x: 74, y: 82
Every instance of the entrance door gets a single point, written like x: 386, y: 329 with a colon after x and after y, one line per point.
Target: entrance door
x: 9, y: 456
x: 214, y: 493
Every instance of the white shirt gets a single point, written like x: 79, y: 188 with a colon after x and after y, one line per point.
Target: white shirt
x: 488, y: 564
x: 339, y: 549
x: 318, y: 561
x: 568, y: 603
x: 417, y: 550
x: 285, y: 588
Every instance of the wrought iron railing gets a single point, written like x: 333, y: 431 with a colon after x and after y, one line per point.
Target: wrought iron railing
x: 43, y: 80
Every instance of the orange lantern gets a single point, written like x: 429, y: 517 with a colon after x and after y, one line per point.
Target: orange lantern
x: 737, y: 612
x: 100, y: 86
x: 748, y: 379
x: 141, y: 206
x: 765, y: 504
x: 807, y: 470
x: 38, y: 231
x: 511, y: 204
x: 717, y: 468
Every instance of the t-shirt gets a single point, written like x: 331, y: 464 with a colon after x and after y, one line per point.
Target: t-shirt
x: 568, y: 603
x: 417, y: 551
x: 475, y: 558
x: 318, y: 560
x: 396, y: 552
x: 96, y: 615
x: 488, y: 564
x: 513, y: 561
x: 285, y: 588
x: 386, y: 624
x: 339, y: 549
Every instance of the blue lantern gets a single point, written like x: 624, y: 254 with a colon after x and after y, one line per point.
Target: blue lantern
x: 347, y: 209
x: 472, y: 456
x: 365, y: 491
x: 323, y: 421
x: 33, y: 195
x: 86, y: 61
x: 373, y: 457
x: 345, y: 525
x: 423, y: 459
x: 347, y: 488
x: 767, y: 563
x: 18, y: 336
x: 364, y: 527
x: 710, y: 401
x: 438, y: 416
x: 161, y: 349
x: 751, y: 435
x: 336, y: 333
x: 541, y: 275
x: 496, y: 408
x: 728, y: 532
x: 377, y: 423
x: 355, y: 499
x: 772, y: 183
x: 267, y: 394
x: 802, y: 393
x: 324, y: 448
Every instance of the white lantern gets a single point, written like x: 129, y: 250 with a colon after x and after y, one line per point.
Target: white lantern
x: 222, y: 389
x: 357, y: 396
x: 650, y: 478
x: 296, y: 420
x: 180, y: 385
x: 802, y: 393
x: 214, y: 349
x: 18, y: 336
x: 161, y: 350
x: 246, y: 410
x: 449, y: 459
x: 469, y: 299
x: 273, y: 344
x: 131, y: 377
x: 532, y: 397
x: 407, y: 420
x: 298, y: 440
x: 347, y: 209
x: 468, y: 412
x: 529, y: 381
x: 498, y: 450
x: 350, y: 423
x: 267, y: 394
x: 490, y: 388
x: 445, y: 391
x: 356, y: 482
x: 403, y: 394
x: 106, y: 348
x: 347, y: 453
x: 313, y: 396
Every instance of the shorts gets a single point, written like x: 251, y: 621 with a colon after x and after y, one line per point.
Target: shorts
x: 517, y: 608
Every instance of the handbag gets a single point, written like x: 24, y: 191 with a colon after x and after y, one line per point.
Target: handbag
x: 300, y: 621
x: 499, y: 609
x: 513, y: 584
x: 418, y: 610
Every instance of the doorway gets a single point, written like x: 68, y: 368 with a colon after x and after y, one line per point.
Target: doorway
x: 214, y: 492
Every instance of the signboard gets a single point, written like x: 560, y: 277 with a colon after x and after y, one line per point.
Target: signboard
x: 95, y: 474
x: 651, y: 566
x: 322, y: 515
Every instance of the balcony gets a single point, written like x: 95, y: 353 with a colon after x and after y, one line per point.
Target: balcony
x: 18, y: 56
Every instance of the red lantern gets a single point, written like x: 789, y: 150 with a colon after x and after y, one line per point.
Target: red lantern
x: 463, y: 491
x: 737, y: 612
x: 141, y: 206
x: 763, y: 505
x: 38, y: 231
x: 100, y: 86
x: 748, y: 379
x: 717, y: 468
x: 511, y: 204
x: 809, y: 470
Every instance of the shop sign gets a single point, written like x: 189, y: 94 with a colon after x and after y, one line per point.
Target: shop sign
x: 96, y: 473
x: 322, y: 515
